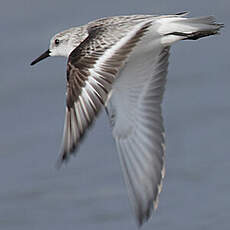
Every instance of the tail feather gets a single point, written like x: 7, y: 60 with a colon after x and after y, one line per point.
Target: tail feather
x: 195, y: 35
x: 180, y: 28
x: 205, y: 26
x: 206, y: 20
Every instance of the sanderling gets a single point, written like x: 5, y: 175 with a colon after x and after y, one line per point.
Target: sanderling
x: 121, y: 63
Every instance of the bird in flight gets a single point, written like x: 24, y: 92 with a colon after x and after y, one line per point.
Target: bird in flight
x: 120, y: 63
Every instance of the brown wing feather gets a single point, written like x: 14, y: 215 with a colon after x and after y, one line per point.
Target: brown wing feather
x: 87, y: 86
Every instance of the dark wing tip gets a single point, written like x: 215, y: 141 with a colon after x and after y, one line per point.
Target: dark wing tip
x: 63, y: 158
x: 144, y: 217
x: 65, y: 154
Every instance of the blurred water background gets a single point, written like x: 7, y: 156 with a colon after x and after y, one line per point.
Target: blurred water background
x: 89, y: 192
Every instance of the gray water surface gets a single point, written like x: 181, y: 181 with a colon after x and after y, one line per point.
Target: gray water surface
x: 89, y: 192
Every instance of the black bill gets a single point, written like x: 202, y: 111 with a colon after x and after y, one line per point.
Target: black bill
x: 43, y: 56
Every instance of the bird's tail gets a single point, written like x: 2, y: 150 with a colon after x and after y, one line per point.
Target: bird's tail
x: 179, y: 28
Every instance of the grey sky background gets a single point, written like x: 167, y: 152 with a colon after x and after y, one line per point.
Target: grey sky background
x: 89, y: 192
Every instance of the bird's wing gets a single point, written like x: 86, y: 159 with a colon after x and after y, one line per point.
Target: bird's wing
x: 91, y: 70
x: 135, y: 113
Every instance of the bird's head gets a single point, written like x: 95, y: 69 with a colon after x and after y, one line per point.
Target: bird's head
x: 62, y: 44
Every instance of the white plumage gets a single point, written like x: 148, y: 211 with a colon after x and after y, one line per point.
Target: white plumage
x: 121, y: 63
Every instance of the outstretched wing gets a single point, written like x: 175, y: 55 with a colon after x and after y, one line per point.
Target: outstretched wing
x: 91, y: 70
x: 135, y: 112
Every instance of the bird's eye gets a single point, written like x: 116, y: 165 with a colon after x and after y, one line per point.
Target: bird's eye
x: 57, y: 41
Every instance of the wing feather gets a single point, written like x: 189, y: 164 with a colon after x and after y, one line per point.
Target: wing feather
x: 135, y: 113
x: 91, y: 70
